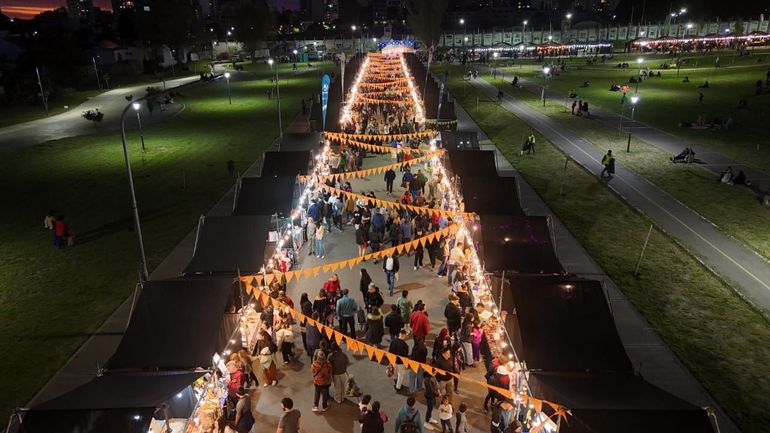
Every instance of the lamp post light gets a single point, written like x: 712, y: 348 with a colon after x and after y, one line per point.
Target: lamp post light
x: 278, y: 97
x: 135, y: 105
x: 546, y: 71
x: 569, y: 20
x: 639, y: 73
x: 494, y: 64
x: 634, y: 100
x: 353, y: 28
x: 229, y: 96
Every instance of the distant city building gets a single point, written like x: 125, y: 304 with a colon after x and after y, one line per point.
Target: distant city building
x: 123, y: 5
x: 80, y: 9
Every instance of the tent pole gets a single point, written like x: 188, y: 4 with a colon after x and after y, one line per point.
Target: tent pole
x: 201, y: 220
x: 133, y: 303
x: 167, y: 424
x: 502, y: 284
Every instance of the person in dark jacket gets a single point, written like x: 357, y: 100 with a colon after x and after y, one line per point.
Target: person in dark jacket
x: 390, y: 176
x: 453, y: 314
x: 306, y: 307
x: 395, y: 233
x: 363, y: 285
x: 373, y: 299
x: 399, y: 347
x: 394, y: 322
x: 374, y: 327
x: 371, y: 420
x: 313, y: 341
x: 362, y: 239
x: 419, y: 354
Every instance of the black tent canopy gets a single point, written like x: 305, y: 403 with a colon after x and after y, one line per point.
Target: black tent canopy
x: 227, y: 245
x: 563, y: 324
x: 111, y: 403
x: 472, y: 163
x: 485, y: 195
x: 178, y: 324
x: 608, y: 403
x: 461, y: 140
x: 265, y: 195
x: 518, y: 243
x: 286, y: 163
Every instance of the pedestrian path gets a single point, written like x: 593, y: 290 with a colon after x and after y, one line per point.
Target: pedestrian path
x: 743, y: 269
x: 658, y: 364
x: 715, y: 162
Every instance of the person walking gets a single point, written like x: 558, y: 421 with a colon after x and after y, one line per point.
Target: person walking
x: 285, y: 341
x: 346, y: 313
x: 394, y: 322
x: 311, y: 229
x: 453, y: 314
x: 408, y: 419
x: 405, y: 306
x: 339, y: 362
x: 322, y: 380
x: 419, y: 354
x: 266, y: 350
x: 445, y: 412
x: 320, y: 233
x: 374, y: 327
x: 244, y: 419
x: 399, y: 347
x: 306, y: 308
x: 371, y: 419
x: 608, y: 161
x: 445, y: 362
x: 289, y: 421
x: 419, y: 322
x: 363, y: 284
x: 390, y: 176
x: 432, y: 393
x: 391, y: 266
x: 362, y: 239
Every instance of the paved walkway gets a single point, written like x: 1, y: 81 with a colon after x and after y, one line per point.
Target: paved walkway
x: 658, y: 364
x: 746, y: 271
x: 70, y: 123
x: 670, y: 143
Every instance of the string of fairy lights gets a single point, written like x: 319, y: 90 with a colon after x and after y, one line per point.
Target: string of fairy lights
x: 453, y: 203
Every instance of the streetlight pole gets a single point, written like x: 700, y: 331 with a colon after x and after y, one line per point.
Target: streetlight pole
x: 229, y: 96
x: 634, y: 100
x: 546, y: 71
x: 353, y: 37
x: 42, y: 92
x: 639, y: 73
x: 278, y: 96
x: 134, y: 209
x: 136, y: 106
x: 96, y: 72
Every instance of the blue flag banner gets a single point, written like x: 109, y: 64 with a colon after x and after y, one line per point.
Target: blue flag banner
x: 325, y: 81
x: 441, y: 95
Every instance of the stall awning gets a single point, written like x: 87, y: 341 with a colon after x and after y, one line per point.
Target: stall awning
x: 176, y: 324
x: 606, y: 403
x: 111, y: 403
x: 460, y: 140
x: 563, y: 324
x: 286, y: 163
x: 265, y: 195
x: 472, y: 163
x: 227, y: 245
x: 518, y: 243
x: 485, y: 195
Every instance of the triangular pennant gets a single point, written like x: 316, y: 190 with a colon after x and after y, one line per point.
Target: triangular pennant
x: 379, y: 353
x: 336, y: 266
x: 307, y: 272
x: 319, y: 326
x: 327, y: 268
x: 391, y: 358
x: 413, y: 365
x: 316, y: 270
x: 369, y: 350
x: 338, y: 337
x: 351, y: 263
x: 351, y: 343
x: 329, y: 332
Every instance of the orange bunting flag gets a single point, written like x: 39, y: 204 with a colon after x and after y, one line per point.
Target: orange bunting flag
x: 391, y: 358
x: 378, y: 354
x: 338, y: 336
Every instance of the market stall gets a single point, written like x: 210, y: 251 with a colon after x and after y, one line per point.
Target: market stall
x: 179, y: 324
x: 119, y: 402
x: 459, y: 140
x: 265, y: 195
x: 519, y: 244
x: 286, y: 163
x: 229, y: 246
x: 608, y: 403
x: 562, y: 323
x: 472, y: 163
x: 500, y: 196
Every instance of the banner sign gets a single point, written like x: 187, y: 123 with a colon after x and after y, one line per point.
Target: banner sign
x: 325, y: 81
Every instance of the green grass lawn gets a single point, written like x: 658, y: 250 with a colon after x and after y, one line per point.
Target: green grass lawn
x: 718, y: 336
x: 666, y: 101
x: 735, y: 210
x: 51, y: 300
x: 20, y: 112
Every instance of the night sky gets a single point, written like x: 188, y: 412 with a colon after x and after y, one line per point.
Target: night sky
x: 30, y: 8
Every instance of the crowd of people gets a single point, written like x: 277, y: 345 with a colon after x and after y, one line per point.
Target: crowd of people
x: 467, y: 337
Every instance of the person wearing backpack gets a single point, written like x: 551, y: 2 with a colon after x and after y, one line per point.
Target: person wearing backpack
x: 408, y: 419
x: 372, y: 420
x: 322, y: 380
x: 244, y: 419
